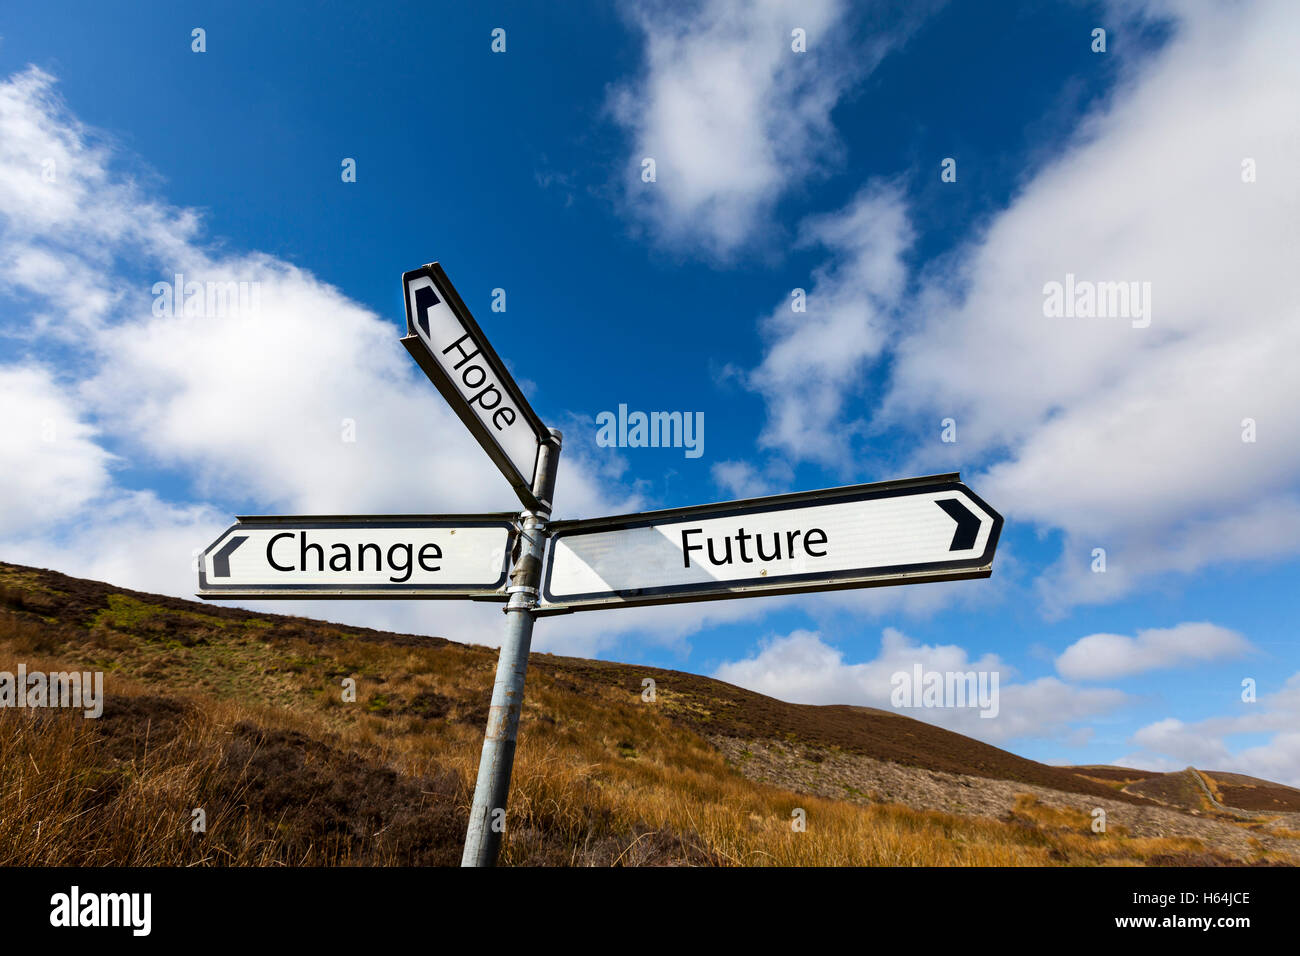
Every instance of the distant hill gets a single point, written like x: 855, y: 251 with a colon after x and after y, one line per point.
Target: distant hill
x: 242, y: 716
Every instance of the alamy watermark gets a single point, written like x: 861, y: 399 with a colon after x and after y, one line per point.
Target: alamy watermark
x: 921, y: 688
x: 651, y: 430
x: 33, y: 689
x: 133, y: 911
x: 1084, y: 299
x: 215, y: 299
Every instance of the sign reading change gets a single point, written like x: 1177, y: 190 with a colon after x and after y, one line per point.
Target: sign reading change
x: 401, y: 556
x: 924, y: 529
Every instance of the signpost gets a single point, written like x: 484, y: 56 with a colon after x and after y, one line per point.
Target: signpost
x: 899, y: 532
x: 896, y: 532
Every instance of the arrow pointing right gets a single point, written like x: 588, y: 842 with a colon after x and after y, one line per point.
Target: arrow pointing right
x: 968, y: 524
x: 221, y: 560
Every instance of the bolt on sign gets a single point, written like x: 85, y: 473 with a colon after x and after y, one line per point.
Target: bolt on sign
x: 874, y: 535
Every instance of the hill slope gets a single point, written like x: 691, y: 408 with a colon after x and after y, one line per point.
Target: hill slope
x: 241, y: 716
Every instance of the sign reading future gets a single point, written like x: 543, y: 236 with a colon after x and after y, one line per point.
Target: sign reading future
x: 928, y: 529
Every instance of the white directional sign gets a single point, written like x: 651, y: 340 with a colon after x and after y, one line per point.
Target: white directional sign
x: 397, y: 556
x: 925, y: 529
x: 444, y: 339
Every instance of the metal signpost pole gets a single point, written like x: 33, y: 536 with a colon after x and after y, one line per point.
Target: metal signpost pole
x: 487, y: 815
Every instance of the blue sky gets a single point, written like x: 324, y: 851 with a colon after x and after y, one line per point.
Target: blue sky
x: 131, y: 157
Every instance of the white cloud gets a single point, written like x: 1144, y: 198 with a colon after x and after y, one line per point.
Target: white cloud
x: 240, y: 412
x: 814, y: 362
x: 69, y: 217
x: 802, y: 668
x: 1124, y: 438
x: 50, y: 464
x: 129, y: 538
x: 1107, y: 656
x: 741, y: 479
x: 254, y: 406
x: 1171, y: 744
x: 732, y: 116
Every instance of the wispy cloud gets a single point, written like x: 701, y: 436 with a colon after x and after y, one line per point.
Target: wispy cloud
x: 819, y: 348
x: 803, y: 668
x: 1127, y: 438
x: 1171, y: 743
x: 1108, y: 656
x: 304, y: 403
x: 733, y: 117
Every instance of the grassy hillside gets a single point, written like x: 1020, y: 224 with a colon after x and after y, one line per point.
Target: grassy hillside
x: 242, y: 715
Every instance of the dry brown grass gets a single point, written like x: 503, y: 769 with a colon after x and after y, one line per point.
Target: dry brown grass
x: 1211, y: 785
x: 253, y: 729
x: 62, y: 803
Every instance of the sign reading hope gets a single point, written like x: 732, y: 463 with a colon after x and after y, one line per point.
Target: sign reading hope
x: 476, y: 376
x: 448, y: 344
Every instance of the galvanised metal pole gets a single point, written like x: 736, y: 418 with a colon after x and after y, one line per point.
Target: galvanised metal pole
x: 487, y: 814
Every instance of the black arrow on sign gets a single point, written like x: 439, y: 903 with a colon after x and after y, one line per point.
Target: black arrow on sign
x: 968, y: 524
x: 221, y: 560
x: 425, y: 299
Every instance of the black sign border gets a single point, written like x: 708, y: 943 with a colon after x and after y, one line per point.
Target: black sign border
x: 956, y: 570
x: 419, y: 350
x: 390, y: 591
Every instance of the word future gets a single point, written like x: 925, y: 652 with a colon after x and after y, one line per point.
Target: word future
x: 653, y: 430
x: 813, y: 540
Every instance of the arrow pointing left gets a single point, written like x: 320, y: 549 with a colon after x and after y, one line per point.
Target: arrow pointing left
x: 221, y: 560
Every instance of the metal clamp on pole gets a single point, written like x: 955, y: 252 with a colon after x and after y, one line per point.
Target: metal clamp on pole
x: 487, y: 815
